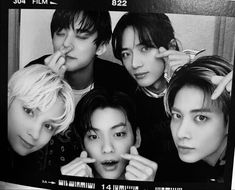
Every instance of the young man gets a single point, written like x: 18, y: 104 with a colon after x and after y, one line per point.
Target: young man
x: 40, y: 105
x: 78, y: 37
x: 106, y: 126
x: 199, y: 124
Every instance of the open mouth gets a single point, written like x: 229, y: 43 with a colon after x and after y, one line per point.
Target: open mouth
x: 109, y: 165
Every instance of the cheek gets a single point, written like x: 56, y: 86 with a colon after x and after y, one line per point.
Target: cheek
x: 174, y: 129
x: 57, y: 43
x: 45, y: 137
x: 124, y: 146
x: 91, y: 148
x: 157, y: 66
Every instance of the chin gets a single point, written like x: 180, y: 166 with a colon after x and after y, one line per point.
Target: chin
x: 188, y: 159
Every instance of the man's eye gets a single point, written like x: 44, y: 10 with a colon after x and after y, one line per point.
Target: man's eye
x: 60, y: 33
x: 201, y: 118
x: 92, y: 137
x: 125, y: 55
x: 175, y: 116
x: 28, y: 111
x: 120, y: 134
x: 145, y: 48
x: 49, y: 127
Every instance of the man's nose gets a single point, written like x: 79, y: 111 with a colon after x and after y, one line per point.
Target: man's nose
x: 35, y: 130
x: 136, y: 61
x: 107, y: 146
x: 184, y: 129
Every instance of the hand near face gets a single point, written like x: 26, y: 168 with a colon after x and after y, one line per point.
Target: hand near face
x: 173, y: 59
x: 56, y: 61
x: 223, y: 83
x: 79, y: 166
x: 139, y: 168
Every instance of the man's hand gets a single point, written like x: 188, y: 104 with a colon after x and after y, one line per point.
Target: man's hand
x: 139, y: 168
x: 79, y: 166
x: 56, y: 61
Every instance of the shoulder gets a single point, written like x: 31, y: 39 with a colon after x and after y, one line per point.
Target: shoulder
x: 39, y: 60
x: 101, y: 64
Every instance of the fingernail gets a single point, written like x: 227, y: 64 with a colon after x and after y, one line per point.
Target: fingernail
x: 213, y: 96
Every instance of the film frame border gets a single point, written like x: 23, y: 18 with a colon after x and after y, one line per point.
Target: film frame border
x: 199, y: 7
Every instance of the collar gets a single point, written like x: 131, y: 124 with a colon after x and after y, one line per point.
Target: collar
x: 152, y: 94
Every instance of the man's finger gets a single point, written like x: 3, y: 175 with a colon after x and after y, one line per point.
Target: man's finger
x: 222, y: 85
x: 83, y: 154
x: 133, y: 150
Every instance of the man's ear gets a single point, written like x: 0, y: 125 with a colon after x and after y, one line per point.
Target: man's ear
x: 138, y: 138
x: 101, y: 49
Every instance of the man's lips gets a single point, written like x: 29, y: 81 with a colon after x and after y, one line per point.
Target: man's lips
x: 140, y: 75
x: 109, y: 162
x: 184, y: 149
x: 110, y: 165
x: 26, y: 144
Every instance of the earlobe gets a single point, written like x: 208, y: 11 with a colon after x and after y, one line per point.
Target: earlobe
x: 101, y: 49
x: 138, y: 138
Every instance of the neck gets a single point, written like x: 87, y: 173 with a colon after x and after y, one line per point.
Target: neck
x: 80, y: 79
x: 159, y: 86
x: 218, y: 154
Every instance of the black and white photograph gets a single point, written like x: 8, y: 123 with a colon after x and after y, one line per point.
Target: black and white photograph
x: 118, y: 97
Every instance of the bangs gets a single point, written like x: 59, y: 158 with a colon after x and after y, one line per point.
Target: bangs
x: 144, y: 36
x: 86, y: 24
x: 213, y: 105
x: 68, y: 19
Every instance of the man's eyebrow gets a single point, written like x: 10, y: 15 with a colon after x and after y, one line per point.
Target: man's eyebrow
x: 201, y: 110
x: 121, y: 124
x: 194, y: 110
x: 125, y: 49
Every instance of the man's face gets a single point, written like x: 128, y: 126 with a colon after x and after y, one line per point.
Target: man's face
x: 83, y: 46
x: 28, y: 129
x: 110, y: 137
x: 140, y: 60
x: 198, y: 130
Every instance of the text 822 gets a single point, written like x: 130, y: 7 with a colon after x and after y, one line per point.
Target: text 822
x: 119, y: 3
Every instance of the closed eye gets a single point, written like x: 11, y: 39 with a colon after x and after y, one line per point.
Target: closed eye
x: 61, y: 32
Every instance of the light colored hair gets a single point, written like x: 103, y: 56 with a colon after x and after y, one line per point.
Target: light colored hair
x: 39, y: 87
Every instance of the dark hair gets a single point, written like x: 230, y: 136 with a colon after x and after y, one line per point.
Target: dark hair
x: 198, y: 74
x: 91, y: 22
x: 154, y: 30
x: 102, y: 98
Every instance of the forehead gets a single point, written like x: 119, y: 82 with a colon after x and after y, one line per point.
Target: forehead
x: 190, y: 98
x: 107, y: 118
x: 130, y: 37
x: 53, y: 111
